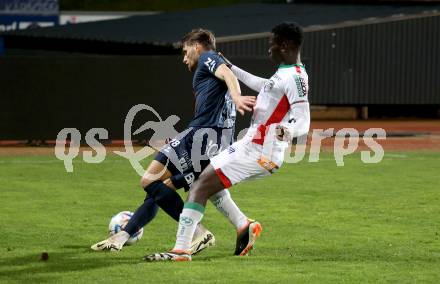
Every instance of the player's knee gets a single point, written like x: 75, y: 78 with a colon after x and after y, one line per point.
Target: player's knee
x: 146, y: 180
x: 169, y: 183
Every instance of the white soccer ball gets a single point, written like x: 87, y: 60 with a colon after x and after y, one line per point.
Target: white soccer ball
x: 119, y: 221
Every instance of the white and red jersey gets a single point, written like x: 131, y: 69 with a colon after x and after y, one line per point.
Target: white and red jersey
x: 282, y: 100
x: 277, y: 98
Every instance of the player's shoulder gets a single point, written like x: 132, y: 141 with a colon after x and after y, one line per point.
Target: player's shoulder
x: 211, y: 55
x: 283, y: 76
x: 293, y: 69
x: 210, y: 60
x: 292, y: 73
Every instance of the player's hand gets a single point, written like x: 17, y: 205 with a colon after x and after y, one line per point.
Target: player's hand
x: 244, y: 103
x: 227, y: 62
x: 280, y: 132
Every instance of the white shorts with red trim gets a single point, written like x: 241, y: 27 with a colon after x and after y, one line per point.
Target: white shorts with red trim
x: 241, y: 161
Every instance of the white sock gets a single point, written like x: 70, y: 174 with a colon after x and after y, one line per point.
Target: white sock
x: 191, y: 215
x: 224, y: 203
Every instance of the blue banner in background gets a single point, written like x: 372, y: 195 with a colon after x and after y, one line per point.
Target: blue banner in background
x: 29, y: 7
x: 16, y: 11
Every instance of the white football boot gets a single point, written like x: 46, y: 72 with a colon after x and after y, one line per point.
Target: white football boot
x: 202, y: 239
x: 114, y: 243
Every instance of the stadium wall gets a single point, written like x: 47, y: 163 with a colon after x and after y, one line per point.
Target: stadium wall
x: 380, y: 63
x: 40, y: 95
x: 387, y: 61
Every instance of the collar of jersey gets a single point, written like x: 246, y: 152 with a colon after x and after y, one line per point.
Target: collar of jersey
x: 289, y: 65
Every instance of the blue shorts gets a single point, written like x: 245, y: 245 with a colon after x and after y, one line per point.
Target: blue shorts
x: 188, y: 154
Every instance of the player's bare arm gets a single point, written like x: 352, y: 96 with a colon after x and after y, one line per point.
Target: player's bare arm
x: 243, y: 103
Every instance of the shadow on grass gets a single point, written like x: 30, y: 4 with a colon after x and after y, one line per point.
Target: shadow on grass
x: 78, y: 247
x: 32, y: 267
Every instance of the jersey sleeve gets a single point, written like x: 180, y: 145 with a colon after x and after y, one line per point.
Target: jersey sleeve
x: 299, y: 121
x: 298, y: 124
x: 210, y: 61
x: 296, y: 89
x: 252, y: 81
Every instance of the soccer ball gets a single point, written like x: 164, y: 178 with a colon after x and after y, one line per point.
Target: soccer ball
x: 119, y: 221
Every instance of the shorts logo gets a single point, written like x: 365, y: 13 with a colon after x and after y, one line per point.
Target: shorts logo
x: 185, y: 221
x: 211, y: 149
x: 183, y: 164
x: 231, y: 150
x: 189, y: 178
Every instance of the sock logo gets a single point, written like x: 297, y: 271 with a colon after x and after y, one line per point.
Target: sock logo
x: 185, y: 221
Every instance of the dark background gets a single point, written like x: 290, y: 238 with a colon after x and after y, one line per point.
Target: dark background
x: 54, y: 78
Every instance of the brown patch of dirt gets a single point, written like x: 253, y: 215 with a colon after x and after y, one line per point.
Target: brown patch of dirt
x: 46, y: 150
x: 429, y: 138
x: 427, y: 133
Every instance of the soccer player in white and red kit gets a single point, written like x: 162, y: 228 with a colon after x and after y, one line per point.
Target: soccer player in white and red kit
x: 280, y: 114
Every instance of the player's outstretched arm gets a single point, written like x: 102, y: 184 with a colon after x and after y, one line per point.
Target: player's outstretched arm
x: 250, y: 80
x: 242, y: 103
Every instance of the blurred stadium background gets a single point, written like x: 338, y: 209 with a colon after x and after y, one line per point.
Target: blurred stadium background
x: 366, y: 60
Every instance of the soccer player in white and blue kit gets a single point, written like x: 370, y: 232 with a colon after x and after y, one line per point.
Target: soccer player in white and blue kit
x: 280, y: 114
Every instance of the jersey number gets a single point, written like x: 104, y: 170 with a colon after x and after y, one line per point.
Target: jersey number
x: 210, y: 64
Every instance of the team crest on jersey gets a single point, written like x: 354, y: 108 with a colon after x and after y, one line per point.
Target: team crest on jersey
x: 269, y: 85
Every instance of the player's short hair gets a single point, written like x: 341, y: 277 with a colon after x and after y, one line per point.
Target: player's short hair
x: 201, y: 36
x: 289, y: 31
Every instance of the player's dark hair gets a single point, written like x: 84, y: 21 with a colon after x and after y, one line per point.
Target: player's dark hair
x: 201, y: 36
x: 289, y: 31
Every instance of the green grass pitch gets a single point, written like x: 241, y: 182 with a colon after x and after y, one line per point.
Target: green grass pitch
x: 321, y: 224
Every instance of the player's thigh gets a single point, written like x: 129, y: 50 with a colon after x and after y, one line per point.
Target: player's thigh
x: 155, y: 171
x: 170, y: 161
x: 238, y: 163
